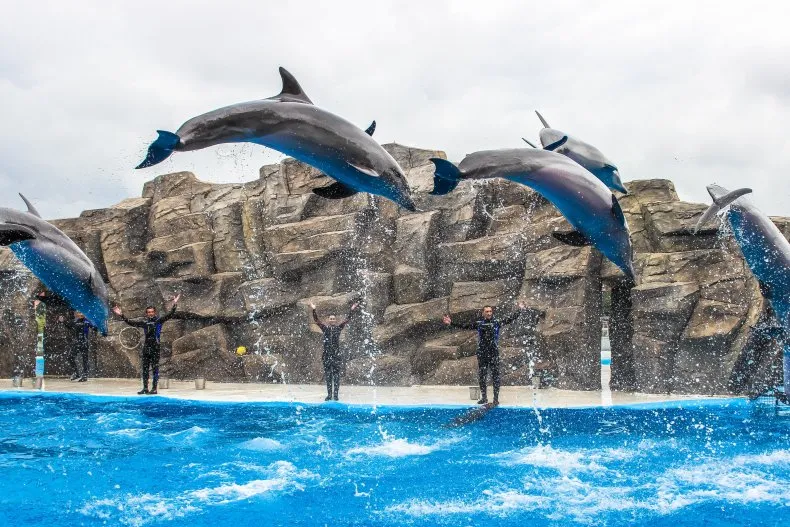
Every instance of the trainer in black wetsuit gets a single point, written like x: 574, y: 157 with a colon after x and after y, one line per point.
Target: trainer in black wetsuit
x: 488, y: 329
x: 332, y: 358
x: 152, y: 328
x: 79, y: 354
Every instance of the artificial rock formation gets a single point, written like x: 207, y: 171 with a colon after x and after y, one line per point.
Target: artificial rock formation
x: 249, y: 258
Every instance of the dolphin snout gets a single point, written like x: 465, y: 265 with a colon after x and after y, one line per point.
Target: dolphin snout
x: 617, y: 183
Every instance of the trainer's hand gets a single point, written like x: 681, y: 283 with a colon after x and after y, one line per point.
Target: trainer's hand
x: 117, y: 311
x: 446, y: 319
x: 175, y: 298
x: 354, y: 306
x: 312, y: 306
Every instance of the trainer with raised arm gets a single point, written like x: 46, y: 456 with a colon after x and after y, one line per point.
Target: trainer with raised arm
x: 332, y: 358
x: 152, y: 328
x: 488, y: 329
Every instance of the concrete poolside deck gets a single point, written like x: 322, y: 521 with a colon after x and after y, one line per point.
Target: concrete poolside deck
x: 514, y: 396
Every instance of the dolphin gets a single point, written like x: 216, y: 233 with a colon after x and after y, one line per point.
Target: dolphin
x: 765, y: 249
x: 290, y: 123
x: 57, y: 261
x: 583, y: 153
x: 583, y: 199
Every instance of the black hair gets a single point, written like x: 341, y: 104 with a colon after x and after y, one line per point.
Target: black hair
x: 150, y: 307
x: 492, y: 307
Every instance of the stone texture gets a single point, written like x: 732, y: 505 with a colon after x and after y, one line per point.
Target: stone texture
x: 205, y: 353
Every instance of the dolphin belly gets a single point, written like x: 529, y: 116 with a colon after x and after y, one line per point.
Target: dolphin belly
x: 325, y: 160
x: 60, y: 274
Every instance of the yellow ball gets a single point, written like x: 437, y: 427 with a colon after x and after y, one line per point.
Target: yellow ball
x: 241, y: 350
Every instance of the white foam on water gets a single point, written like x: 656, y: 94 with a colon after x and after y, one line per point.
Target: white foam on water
x: 262, y: 444
x: 397, y: 448
x: 128, y: 432
x: 584, y: 497
x: 187, y: 436
x: 564, y: 461
x: 557, y: 499
x: 136, y: 511
x: 742, y: 479
x: 143, y: 509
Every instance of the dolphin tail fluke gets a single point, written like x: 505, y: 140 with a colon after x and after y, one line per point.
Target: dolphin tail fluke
x: 721, y: 198
x: 160, y: 149
x: 445, y: 178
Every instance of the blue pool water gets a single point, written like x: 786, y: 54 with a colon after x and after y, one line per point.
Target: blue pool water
x: 79, y: 460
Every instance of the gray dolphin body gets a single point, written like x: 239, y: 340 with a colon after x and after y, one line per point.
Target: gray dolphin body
x: 582, y: 198
x: 57, y: 261
x: 291, y: 124
x: 583, y: 153
x: 765, y: 249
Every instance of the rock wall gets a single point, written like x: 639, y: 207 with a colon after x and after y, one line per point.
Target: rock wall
x: 249, y: 258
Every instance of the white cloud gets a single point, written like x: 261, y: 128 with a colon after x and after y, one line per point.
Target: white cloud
x: 694, y: 92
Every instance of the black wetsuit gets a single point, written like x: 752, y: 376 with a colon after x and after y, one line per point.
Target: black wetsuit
x: 332, y: 358
x: 152, y: 328
x: 488, y: 350
x: 82, y: 344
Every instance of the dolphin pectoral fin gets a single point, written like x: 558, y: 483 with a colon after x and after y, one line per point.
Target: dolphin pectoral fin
x: 446, y: 176
x: 30, y: 208
x: 370, y: 129
x: 334, y: 191
x: 13, y: 232
x: 556, y: 144
x: 573, y: 238
x: 291, y: 91
x: 530, y: 144
x: 617, y: 211
x: 542, y: 120
x: 765, y: 290
x: 160, y: 149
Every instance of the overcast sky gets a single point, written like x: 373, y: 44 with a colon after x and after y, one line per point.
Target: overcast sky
x: 690, y: 91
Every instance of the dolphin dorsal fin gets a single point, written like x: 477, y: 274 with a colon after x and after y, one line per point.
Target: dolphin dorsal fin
x: 291, y: 91
x: 30, y: 208
x: 542, y: 120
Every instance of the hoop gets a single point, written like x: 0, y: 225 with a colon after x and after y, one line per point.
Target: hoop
x: 137, y: 338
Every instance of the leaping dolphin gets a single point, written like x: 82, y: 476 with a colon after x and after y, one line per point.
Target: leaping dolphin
x: 582, y: 198
x: 583, y: 153
x: 57, y: 261
x: 291, y: 124
x: 765, y: 249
